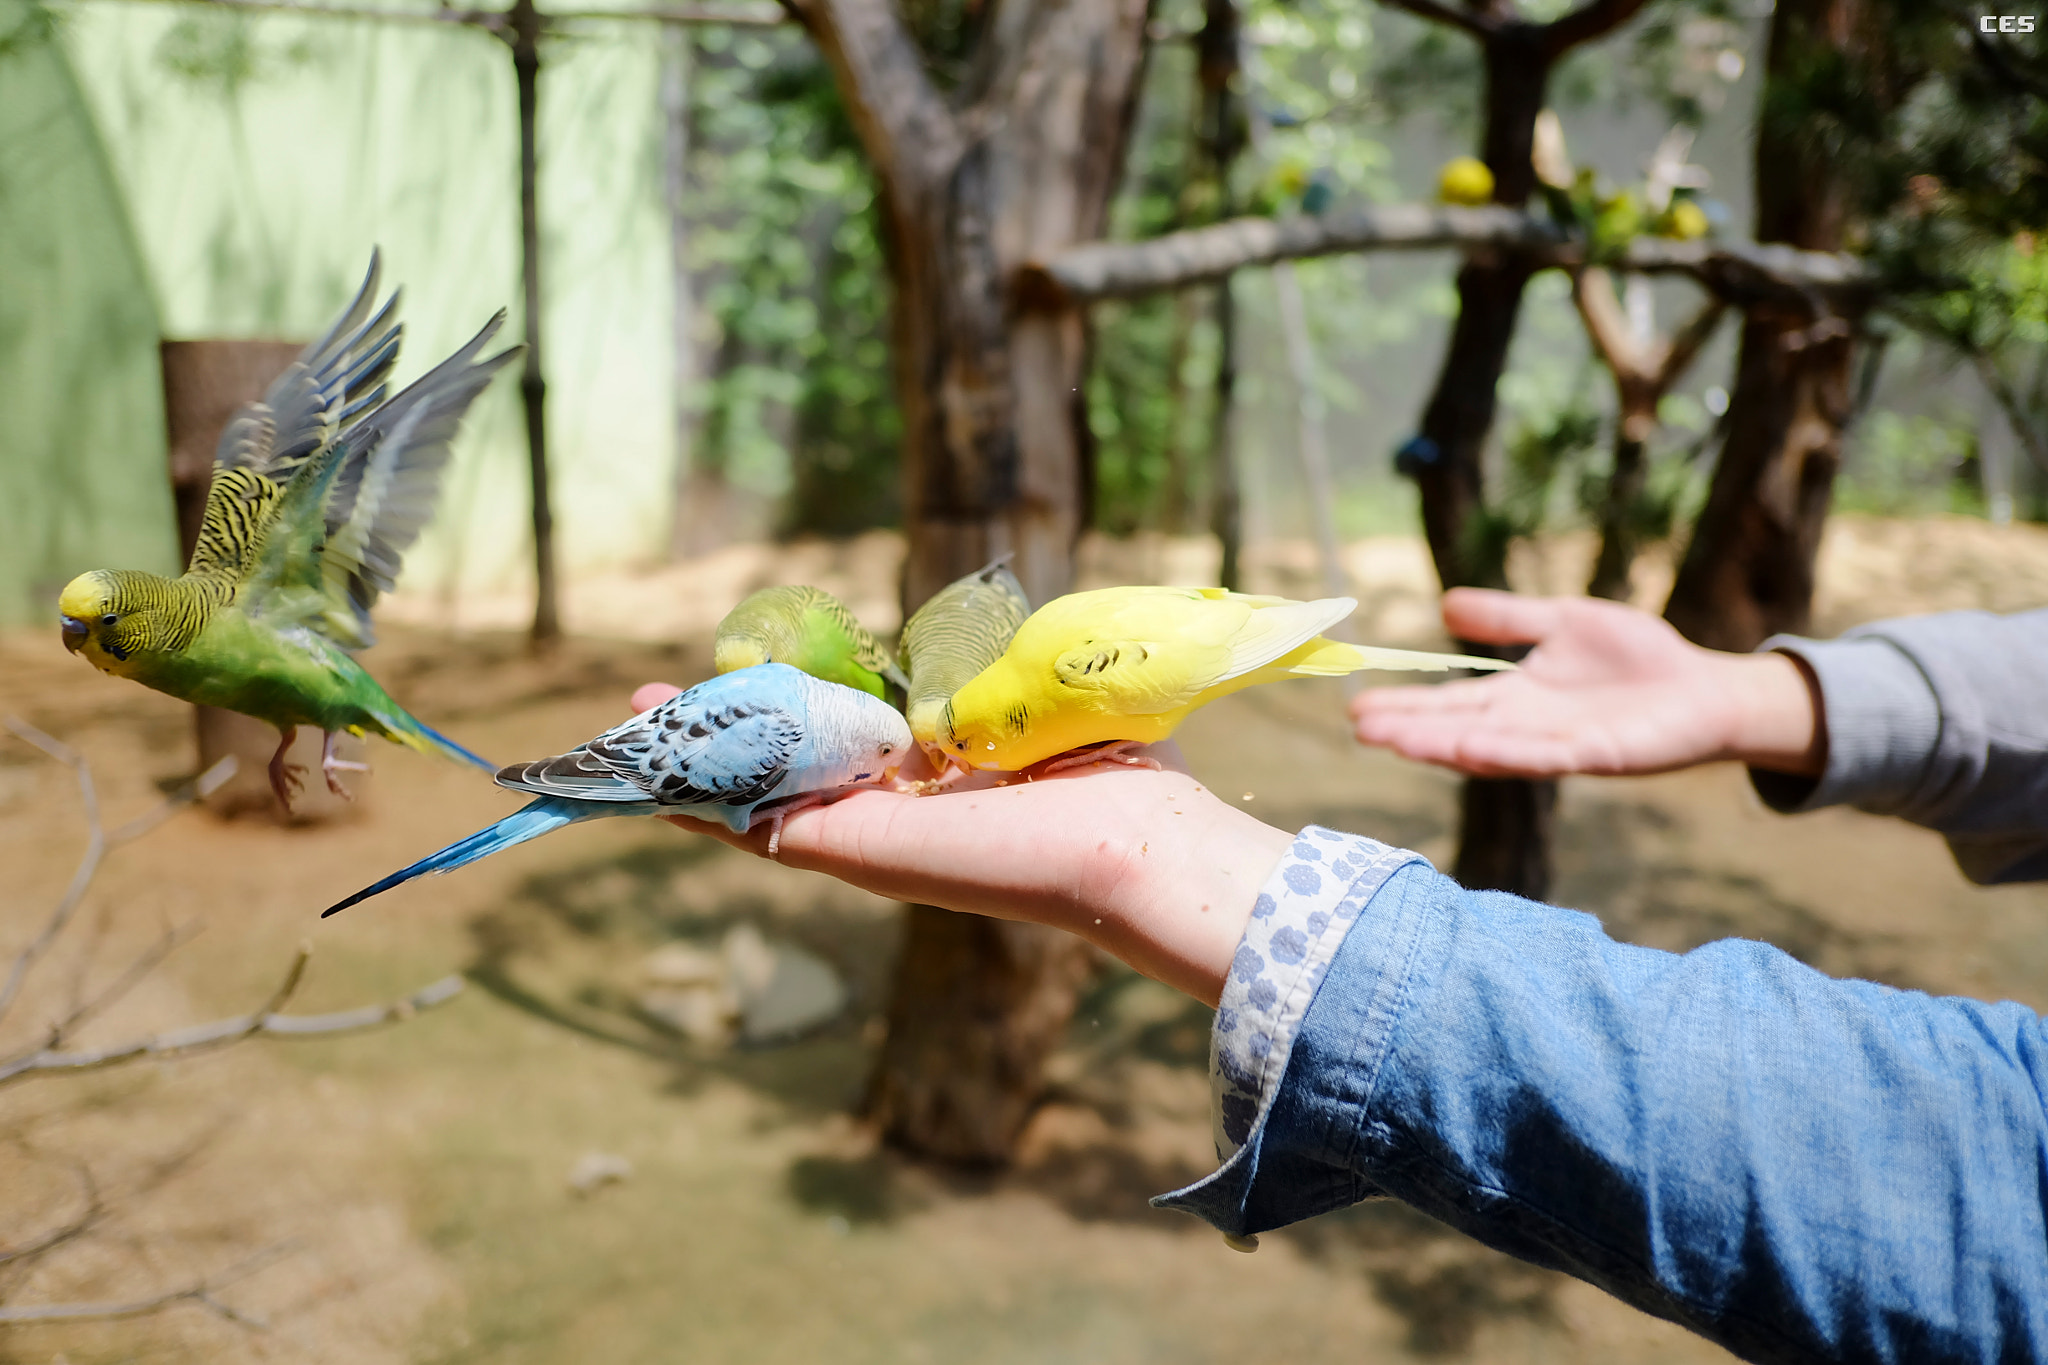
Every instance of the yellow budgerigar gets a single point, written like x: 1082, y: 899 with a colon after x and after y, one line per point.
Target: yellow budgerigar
x: 1124, y: 666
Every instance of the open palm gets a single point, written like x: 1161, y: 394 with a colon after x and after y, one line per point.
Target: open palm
x: 1607, y: 690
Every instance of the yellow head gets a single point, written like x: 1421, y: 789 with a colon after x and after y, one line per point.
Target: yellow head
x: 729, y: 652
x: 989, y: 724
x: 926, y: 717
x: 109, y: 616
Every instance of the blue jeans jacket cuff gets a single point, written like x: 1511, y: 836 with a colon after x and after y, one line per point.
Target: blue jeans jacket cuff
x: 1288, y: 1119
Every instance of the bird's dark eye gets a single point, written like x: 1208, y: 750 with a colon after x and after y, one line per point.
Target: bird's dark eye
x: 888, y: 749
x: 109, y: 619
x: 961, y: 745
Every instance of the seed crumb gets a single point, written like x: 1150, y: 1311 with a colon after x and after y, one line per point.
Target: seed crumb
x: 1247, y: 796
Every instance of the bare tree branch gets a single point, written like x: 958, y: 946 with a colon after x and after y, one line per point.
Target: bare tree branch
x: 1630, y: 357
x: 740, y: 15
x: 1594, y: 19
x: 203, y: 1293
x: 97, y: 843
x: 63, y: 1232
x: 1480, y: 26
x: 145, y: 962
x: 265, y: 1023
x: 1741, y: 273
x: 1687, y: 341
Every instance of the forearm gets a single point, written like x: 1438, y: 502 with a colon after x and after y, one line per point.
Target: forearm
x: 1795, y: 1166
x: 1163, y: 878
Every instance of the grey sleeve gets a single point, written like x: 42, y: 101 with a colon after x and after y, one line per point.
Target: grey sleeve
x: 1940, y: 720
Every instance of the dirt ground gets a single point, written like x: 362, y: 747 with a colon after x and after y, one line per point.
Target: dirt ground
x: 414, y: 1181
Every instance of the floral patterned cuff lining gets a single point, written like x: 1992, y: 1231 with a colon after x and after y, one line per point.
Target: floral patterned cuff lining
x: 1300, y: 918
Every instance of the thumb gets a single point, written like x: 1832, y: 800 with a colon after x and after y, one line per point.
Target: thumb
x: 1487, y: 617
x: 650, y: 695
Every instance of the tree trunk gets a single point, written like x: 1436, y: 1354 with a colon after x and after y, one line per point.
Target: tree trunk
x: 978, y: 1007
x: 1748, y: 571
x: 1020, y: 161
x: 1504, y: 829
x: 1222, y: 131
x: 204, y: 382
x: 1618, y: 537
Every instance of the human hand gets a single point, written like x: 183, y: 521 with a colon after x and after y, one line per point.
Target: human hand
x: 1608, y: 690
x: 1148, y: 865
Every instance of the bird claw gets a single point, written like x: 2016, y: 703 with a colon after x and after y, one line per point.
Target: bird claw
x: 1117, y: 751
x: 330, y: 765
x: 286, y: 779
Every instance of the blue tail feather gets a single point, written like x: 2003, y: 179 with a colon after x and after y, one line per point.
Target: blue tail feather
x: 528, y: 822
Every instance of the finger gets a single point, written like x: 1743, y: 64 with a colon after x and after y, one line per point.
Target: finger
x: 1488, y: 617
x: 650, y: 695
x: 1464, y: 695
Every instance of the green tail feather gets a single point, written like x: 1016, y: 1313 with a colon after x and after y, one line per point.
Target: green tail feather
x: 414, y: 734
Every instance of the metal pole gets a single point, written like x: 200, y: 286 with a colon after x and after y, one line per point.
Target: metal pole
x: 526, y: 26
x: 678, y: 53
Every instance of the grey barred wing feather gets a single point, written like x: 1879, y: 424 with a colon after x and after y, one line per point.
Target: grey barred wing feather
x: 339, y: 536
x: 387, y: 481
x: 267, y: 442
x: 686, y: 752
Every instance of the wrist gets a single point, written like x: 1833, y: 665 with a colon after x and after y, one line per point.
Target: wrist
x: 1775, y: 719
x: 1184, y: 888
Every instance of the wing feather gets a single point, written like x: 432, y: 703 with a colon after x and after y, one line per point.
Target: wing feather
x: 339, y: 538
x: 691, y: 750
x: 271, y: 440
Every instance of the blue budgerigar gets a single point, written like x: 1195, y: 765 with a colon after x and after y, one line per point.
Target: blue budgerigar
x: 756, y: 743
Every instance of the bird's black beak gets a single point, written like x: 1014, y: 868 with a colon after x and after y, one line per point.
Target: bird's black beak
x: 74, y: 630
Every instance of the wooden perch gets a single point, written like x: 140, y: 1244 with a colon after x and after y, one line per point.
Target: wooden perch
x: 1743, y: 274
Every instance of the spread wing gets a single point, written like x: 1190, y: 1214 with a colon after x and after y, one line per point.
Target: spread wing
x: 344, y: 523
x: 1165, y: 650
x: 268, y: 441
x: 690, y: 750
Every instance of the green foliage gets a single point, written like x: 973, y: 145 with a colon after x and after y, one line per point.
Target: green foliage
x: 1912, y: 464
x: 30, y: 26
x: 224, y: 53
x: 800, y: 399
x: 1958, y: 185
x: 1150, y: 411
x: 1545, y: 458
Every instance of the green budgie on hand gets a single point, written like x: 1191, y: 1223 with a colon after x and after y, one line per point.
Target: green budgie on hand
x: 318, y: 490
x: 961, y: 630
x: 809, y: 629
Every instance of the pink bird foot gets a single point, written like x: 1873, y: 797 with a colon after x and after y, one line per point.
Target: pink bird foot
x: 330, y: 765
x: 1117, y: 751
x: 286, y: 779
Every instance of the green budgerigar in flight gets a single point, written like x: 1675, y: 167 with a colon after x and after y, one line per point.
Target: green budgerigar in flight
x: 961, y: 630
x: 318, y: 491
x: 809, y: 629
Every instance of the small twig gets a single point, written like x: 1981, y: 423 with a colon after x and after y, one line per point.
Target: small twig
x: 98, y: 841
x: 202, y: 1293
x: 144, y: 963
x: 266, y: 1023
x: 58, y: 1236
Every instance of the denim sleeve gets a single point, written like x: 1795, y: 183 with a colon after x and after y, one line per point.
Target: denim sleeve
x: 1940, y: 720
x: 1796, y: 1167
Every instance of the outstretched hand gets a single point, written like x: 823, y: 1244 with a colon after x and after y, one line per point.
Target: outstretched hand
x: 1149, y: 865
x: 1607, y: 690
